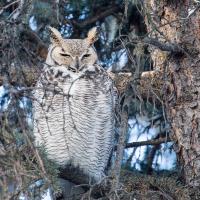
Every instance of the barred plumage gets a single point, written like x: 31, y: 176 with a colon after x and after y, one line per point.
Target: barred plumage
x: 74, y: 113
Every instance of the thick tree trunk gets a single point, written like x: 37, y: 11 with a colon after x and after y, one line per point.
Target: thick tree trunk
x: 181, y: 92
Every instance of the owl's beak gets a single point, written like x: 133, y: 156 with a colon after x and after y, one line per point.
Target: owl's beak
x: 77, y: 64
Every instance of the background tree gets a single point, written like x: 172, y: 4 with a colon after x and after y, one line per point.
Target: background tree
x: 158, y: 43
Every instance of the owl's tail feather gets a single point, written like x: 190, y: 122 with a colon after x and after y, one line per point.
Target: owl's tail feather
x: 70, y: 191
x: 70, y: 178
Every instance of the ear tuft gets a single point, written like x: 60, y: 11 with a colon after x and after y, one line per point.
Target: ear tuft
x: 93, y: 35
x: 55, y: 35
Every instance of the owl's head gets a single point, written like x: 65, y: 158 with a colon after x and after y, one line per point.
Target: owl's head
x: 74, y: 54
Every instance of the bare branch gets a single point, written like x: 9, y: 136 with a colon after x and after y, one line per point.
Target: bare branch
x: 123, y: 111
x: 7, y: 6
x: 148, y: 142
x: 14, y: 15
x: 31, y: 36
x: 163, y: 46
x: 98, y: 16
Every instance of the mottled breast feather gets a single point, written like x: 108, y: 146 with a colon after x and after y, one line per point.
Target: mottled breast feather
x: 74, y: 117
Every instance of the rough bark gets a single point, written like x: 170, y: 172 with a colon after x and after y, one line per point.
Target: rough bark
x: 175, y: 24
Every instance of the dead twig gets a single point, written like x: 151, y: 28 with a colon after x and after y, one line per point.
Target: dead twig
x: 7, y: 6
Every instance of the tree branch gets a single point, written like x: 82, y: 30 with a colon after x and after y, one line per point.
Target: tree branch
x: 15, y: 14
x: 121, y: 145
x: 95, y: 18
x: 163, y: 46
x: 7, y: 6
x: 148, y: 142
x: 32, y: 37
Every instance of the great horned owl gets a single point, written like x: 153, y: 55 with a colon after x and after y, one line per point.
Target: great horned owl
x: 74, y: 106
